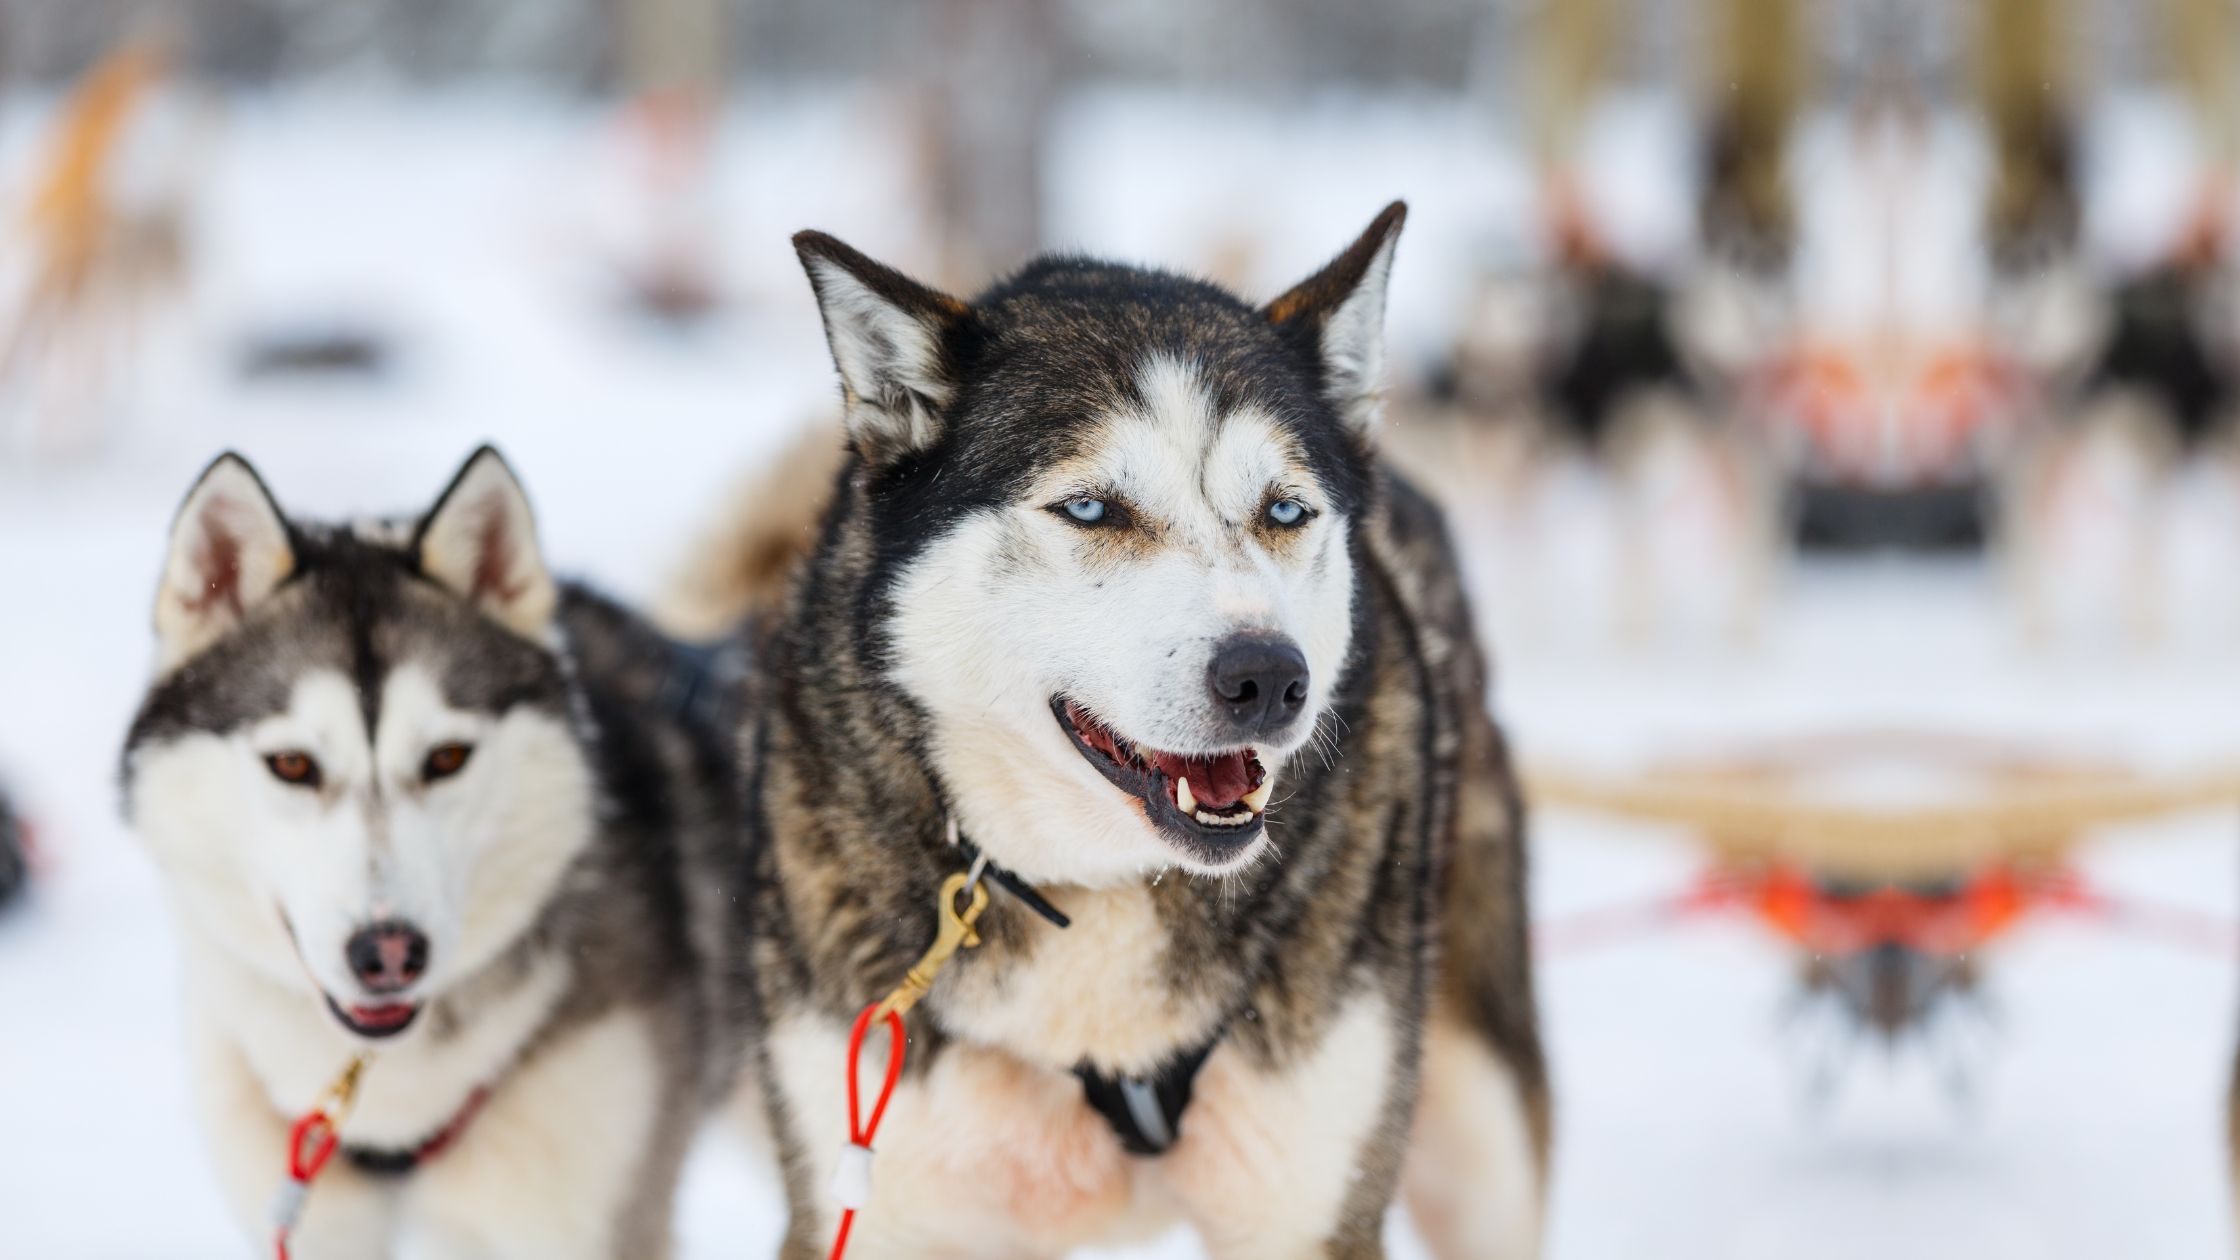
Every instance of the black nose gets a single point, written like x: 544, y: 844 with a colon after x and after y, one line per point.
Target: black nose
x: 387, y: 956
x: 1259, y: 683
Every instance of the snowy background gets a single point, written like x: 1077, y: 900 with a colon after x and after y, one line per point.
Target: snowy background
x: 476, y: 230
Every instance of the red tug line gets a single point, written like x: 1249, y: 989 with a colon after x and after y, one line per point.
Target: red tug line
x: 1960, y: 917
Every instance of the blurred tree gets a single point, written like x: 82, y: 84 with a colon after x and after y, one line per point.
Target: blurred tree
x: 1256, y: 45
x: 2024, y: 84
x: 672, y: 67
x: 1571, y: 66
x: 98, y: 245
x: 1758, y: 81
x: 2204, y: 41
x: 991, y: 87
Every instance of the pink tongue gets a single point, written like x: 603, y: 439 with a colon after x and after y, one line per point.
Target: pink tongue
x: 1218, y: 783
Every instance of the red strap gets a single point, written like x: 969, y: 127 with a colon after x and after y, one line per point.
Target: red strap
x: 859, y: 1132
x: 449, y: 1133
x: 311, y: 1144
x: 312, y: 1141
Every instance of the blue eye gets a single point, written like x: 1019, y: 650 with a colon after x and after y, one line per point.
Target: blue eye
x: 1287, y: 511
x: 1086, y: 511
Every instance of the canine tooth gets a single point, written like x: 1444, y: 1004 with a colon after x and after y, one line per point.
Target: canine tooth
x: 1185, y: 802
x: 1257, y: 798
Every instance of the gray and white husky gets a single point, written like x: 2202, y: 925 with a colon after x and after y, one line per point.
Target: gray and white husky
x: 414, y: 797
x: 1115, y: 586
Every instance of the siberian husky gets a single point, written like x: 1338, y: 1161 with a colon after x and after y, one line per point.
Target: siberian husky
x: 1115, y: 592
x: 416, y: 799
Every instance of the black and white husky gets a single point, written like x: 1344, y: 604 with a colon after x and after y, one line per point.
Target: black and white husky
x: 414, y: 797
x: 1115, y: 587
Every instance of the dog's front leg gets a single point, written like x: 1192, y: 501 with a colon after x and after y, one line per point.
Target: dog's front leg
x: 1474, y: 1179
x: 347, y: 1216
x: 1296, y: 1154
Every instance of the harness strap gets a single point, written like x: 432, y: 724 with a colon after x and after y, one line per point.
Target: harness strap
x: 381, y: 1161
x: 1146, y: 1111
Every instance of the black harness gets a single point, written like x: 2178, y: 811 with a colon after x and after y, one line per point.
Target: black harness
x: 1144, y: 1111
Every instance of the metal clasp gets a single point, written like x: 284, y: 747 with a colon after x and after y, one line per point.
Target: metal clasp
x: 954, y: 931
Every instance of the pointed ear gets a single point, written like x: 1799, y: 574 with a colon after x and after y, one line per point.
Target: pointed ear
x: 890, y: 338
x: 1341, y: 307
x: 229, y: 550
x: 480, y: 542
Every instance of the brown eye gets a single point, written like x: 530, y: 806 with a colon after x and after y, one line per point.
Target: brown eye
x: 444, y: 761
x: 294, y: 767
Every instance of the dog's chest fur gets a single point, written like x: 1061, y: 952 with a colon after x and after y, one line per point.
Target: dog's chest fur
x: 1102, y: 991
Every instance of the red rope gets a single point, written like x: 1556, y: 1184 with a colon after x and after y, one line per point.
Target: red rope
x: 1586, y: 930
x: 311, y: 1144
x: 2203, y: 932
x: 449, y: 1133
x: 315, y: 1137
x: 861, y: 1132
x: 1986, y: 907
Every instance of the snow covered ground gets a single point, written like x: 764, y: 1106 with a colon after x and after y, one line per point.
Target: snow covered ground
x: 471, y: 230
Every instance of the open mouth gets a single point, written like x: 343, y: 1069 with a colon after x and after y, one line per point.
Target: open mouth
x: 386, y: 1020
x: 1213, y: 802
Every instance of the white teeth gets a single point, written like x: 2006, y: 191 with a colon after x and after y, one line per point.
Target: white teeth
x: 1257, y: 798
x: 1187, y: 803
x: 1238, y: 819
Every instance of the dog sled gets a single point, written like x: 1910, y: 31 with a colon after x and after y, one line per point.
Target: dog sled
x: 1887, y: 863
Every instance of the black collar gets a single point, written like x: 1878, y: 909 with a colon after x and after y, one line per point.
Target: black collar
x: 1012, y: 884
x: 383, y: 1161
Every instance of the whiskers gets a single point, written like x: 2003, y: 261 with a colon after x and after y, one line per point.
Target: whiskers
x: 1323, y: 740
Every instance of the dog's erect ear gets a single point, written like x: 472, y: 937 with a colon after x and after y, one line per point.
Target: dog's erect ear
x: 229, y: 550
x: 890, y: 339
x: 1342, y: 308
x: 480, y: 541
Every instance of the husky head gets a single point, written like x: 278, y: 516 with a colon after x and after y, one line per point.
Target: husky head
x: 1112, y: 514
x: 358, y: 762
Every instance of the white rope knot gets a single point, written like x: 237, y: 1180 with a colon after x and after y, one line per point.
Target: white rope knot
x: 287, y: 1204
x: 851, y: 1177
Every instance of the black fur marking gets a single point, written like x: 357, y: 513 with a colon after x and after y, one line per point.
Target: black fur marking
x: 360, y: 609
x: 1063, y: 341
